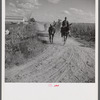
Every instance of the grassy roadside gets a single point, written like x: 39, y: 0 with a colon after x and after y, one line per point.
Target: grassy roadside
x: 22, y: 44
x: 84, y: 33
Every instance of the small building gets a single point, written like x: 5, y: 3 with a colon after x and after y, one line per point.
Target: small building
x: 14, y: 19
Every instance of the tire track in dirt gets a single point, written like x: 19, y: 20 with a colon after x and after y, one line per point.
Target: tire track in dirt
x: 83, y: 72
x: 65, y: 66
x: 43, y: 67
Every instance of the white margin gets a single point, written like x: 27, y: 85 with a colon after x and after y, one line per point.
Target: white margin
x: 3, y: 50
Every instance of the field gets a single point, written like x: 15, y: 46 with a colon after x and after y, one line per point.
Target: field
x: 84, y: 31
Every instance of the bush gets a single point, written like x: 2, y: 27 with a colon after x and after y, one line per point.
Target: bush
x: 31, y: 20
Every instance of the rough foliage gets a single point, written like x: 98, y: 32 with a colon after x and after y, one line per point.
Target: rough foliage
x: 84, y: 31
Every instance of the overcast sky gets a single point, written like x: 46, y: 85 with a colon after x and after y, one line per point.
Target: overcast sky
x: 50, y: 10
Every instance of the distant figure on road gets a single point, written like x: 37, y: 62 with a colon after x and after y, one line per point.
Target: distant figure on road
x: 58, y: 26
x: 51, y: 31
x: 45, y: 27
x: 54, y: 23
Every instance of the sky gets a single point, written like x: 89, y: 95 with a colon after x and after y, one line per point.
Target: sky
x: 52, y: 10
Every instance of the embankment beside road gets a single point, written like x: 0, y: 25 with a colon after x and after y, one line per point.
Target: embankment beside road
x: 22, y: 44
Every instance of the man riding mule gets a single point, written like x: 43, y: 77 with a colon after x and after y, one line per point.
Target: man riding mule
x: 65, y: 29
x: 51, y: 31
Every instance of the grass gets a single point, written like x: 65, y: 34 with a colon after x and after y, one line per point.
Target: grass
x: 21, y: 44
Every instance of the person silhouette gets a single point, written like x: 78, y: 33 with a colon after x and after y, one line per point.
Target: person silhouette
x: 51, y: 31
x: 65, y: 23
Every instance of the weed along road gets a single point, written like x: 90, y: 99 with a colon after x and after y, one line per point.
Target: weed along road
x: 72, y: 62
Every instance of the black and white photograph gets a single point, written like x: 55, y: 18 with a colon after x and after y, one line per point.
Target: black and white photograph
x: 50, y: 41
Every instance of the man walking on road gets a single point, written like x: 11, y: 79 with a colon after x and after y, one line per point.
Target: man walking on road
x: 51, y: 31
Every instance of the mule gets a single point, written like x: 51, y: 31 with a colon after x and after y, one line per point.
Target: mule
x: 65, y: 32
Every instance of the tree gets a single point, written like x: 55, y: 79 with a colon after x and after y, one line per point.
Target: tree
x: 31, y: 20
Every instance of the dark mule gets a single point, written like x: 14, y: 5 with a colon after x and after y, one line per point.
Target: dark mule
x: 65, y: 32
x: 51, y: 33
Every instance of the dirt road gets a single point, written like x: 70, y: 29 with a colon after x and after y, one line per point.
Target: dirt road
x: 72, y: 62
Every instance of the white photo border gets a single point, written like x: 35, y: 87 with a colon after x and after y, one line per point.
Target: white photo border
x: 38, y: 91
